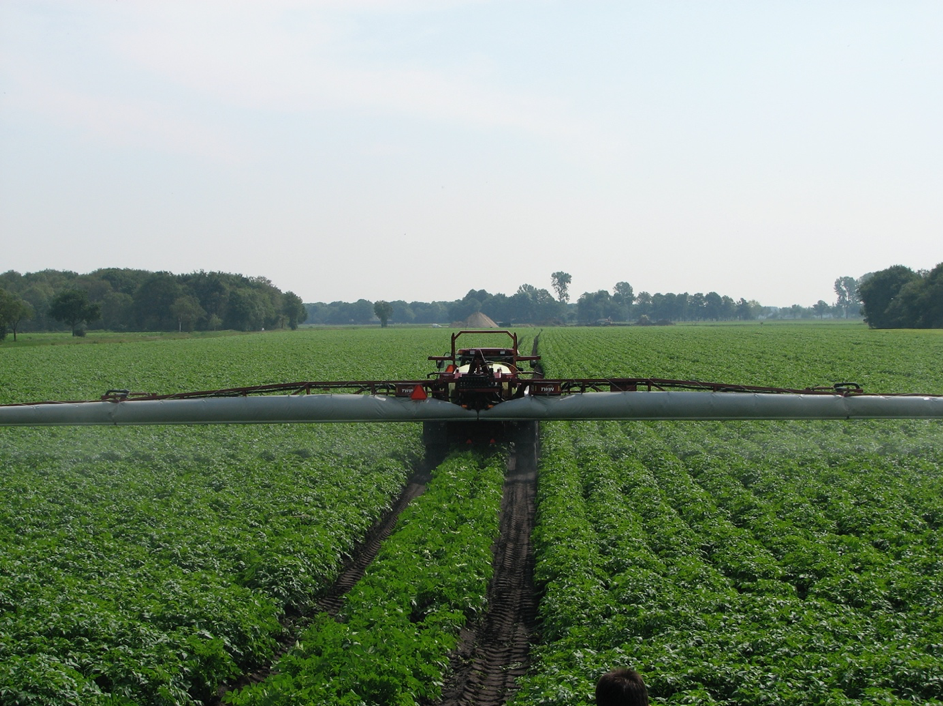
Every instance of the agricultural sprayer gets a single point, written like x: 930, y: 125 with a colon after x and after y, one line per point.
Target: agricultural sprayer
x: 478, y: 393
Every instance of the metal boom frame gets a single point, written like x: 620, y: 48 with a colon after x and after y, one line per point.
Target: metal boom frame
x: 427, y: 400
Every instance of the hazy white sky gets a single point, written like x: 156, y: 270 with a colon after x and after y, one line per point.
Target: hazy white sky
x: 417, y: 149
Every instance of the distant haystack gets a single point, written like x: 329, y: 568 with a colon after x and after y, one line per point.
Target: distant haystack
x: 476, y: 321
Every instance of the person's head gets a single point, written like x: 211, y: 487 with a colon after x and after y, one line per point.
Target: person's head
x: 621, y: 687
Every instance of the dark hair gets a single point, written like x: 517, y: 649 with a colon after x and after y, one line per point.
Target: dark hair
x: 621, y: 687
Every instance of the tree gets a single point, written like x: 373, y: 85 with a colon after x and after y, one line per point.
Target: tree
x: 643, y: 304
x: 744, y: 310
x: 401, y: 312
x: 847, y: 290
x: 118, y: 311
x: 797, y: 311
x: 383, y: 310
x: 38, y: 295
x: 461, y: 309
x: 71, y: 307
x: 594, y: 306
x: 878, y: 292
x: 713, y: 306
x: 524, y: 303
x: 293, y: 309
x: 187, y: 311
x: 361, y: 311
x: 531, y: 305
x: 121, y: 280
x: 561, y: 282
x: 546, y: 307
x: 919, y: 303
x: 931, y: 314
x: 500, y: 307
x: 12, y: 311
x: 429, y: 312
x: 153, y: 299
x: 623, y: 293
x: 623, y: 297
x: 696, y: 306
x: 212, y: 289
x: 248, y: 309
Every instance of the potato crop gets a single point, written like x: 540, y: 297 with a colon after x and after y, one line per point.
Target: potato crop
x: 734, y: 563
x: 747, y: 562
x: 146, y: 565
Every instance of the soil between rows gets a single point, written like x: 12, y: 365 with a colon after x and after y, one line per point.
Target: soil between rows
x: 351, y: 572
x: 493, y: 654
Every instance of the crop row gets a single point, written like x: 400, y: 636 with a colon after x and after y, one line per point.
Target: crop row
x: 152, y: 564
x: 86, y: 371
x: 734, y: 581
x: 740, y: 563
x: 392, y: 641
x: 777, y: 354
x: 147, y: 565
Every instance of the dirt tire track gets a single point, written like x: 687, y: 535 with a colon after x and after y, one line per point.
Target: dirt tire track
x: 491, y: 657
x: 351, y: 572
x: 354, y: 568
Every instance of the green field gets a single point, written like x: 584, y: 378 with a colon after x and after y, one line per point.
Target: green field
x: 749, y: 562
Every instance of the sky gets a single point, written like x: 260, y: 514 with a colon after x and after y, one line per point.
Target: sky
x: 412, y: 149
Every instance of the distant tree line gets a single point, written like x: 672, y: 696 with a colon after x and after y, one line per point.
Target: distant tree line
x: 139, y: 300
x: 528, y: 305
x: 624, y: 305
x: 847, y: 305
x: 898, y: 297
x: 532, y: 305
